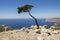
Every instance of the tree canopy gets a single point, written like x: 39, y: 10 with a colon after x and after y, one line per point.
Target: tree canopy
x: 24, y: 8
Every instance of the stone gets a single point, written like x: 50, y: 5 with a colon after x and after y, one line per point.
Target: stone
x: 45, y: 26
x: 35, y: 27
x: 23, y: 28
x: 55, y: 32
x: 40, y: 37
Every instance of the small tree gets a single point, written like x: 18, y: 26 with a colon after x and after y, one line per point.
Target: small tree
x: 27, y: 8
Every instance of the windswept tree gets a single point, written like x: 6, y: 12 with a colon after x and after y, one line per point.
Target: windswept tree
x: 27, y: 8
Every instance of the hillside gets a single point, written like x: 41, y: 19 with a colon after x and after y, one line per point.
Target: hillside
x: 57, y: 20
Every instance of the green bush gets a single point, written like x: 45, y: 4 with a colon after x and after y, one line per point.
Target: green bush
x: 57, y: 27
x: 2, y: 28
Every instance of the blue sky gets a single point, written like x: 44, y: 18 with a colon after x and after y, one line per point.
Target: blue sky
x: 42, y: 8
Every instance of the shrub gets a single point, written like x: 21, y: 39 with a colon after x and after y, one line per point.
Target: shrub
x: 2, y: 28
x: 57, y: 27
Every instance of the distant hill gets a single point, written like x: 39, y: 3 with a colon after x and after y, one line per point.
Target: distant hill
x: 57, y: 20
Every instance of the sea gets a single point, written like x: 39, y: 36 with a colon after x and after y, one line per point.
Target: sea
x: 19, y: 23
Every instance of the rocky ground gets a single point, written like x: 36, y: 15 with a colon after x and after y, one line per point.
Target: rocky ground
x: 32, y: 33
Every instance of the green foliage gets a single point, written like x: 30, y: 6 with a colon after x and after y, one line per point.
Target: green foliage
x: 57, y: 27
x: 24, y: 8
x: 2, y: 28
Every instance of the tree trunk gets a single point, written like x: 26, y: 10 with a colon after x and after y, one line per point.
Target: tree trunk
x: 35, y: 20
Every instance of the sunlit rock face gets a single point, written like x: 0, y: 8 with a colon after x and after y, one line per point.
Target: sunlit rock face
x: 55, y: 32
x: 31, y: 33
x: 45, y: 26
x: 34, y: 27
x: 52, y: 27
x: 22, y: 28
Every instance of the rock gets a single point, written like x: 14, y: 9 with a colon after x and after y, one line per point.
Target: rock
x: 49, y: 38
x: 23, y: 28
x: 27, y: 30
x: 35, y: 27
x: 32, y: 26
x: 43, y: 30
x: 36, y: 30
x: 55, y: 32
x: 39, y: 37
x: 52, y: 27
x: 45, y: 26
x: 47, y: 34
x: 30, y: 34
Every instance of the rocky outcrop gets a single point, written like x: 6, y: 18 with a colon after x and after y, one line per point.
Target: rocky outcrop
x: 32, y: 33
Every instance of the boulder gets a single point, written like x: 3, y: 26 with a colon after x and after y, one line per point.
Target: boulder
x: 35, y: 27
x: 55, y: 32
x: 44, y: 27
x: 52, y: 27
x: 23, y: 28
